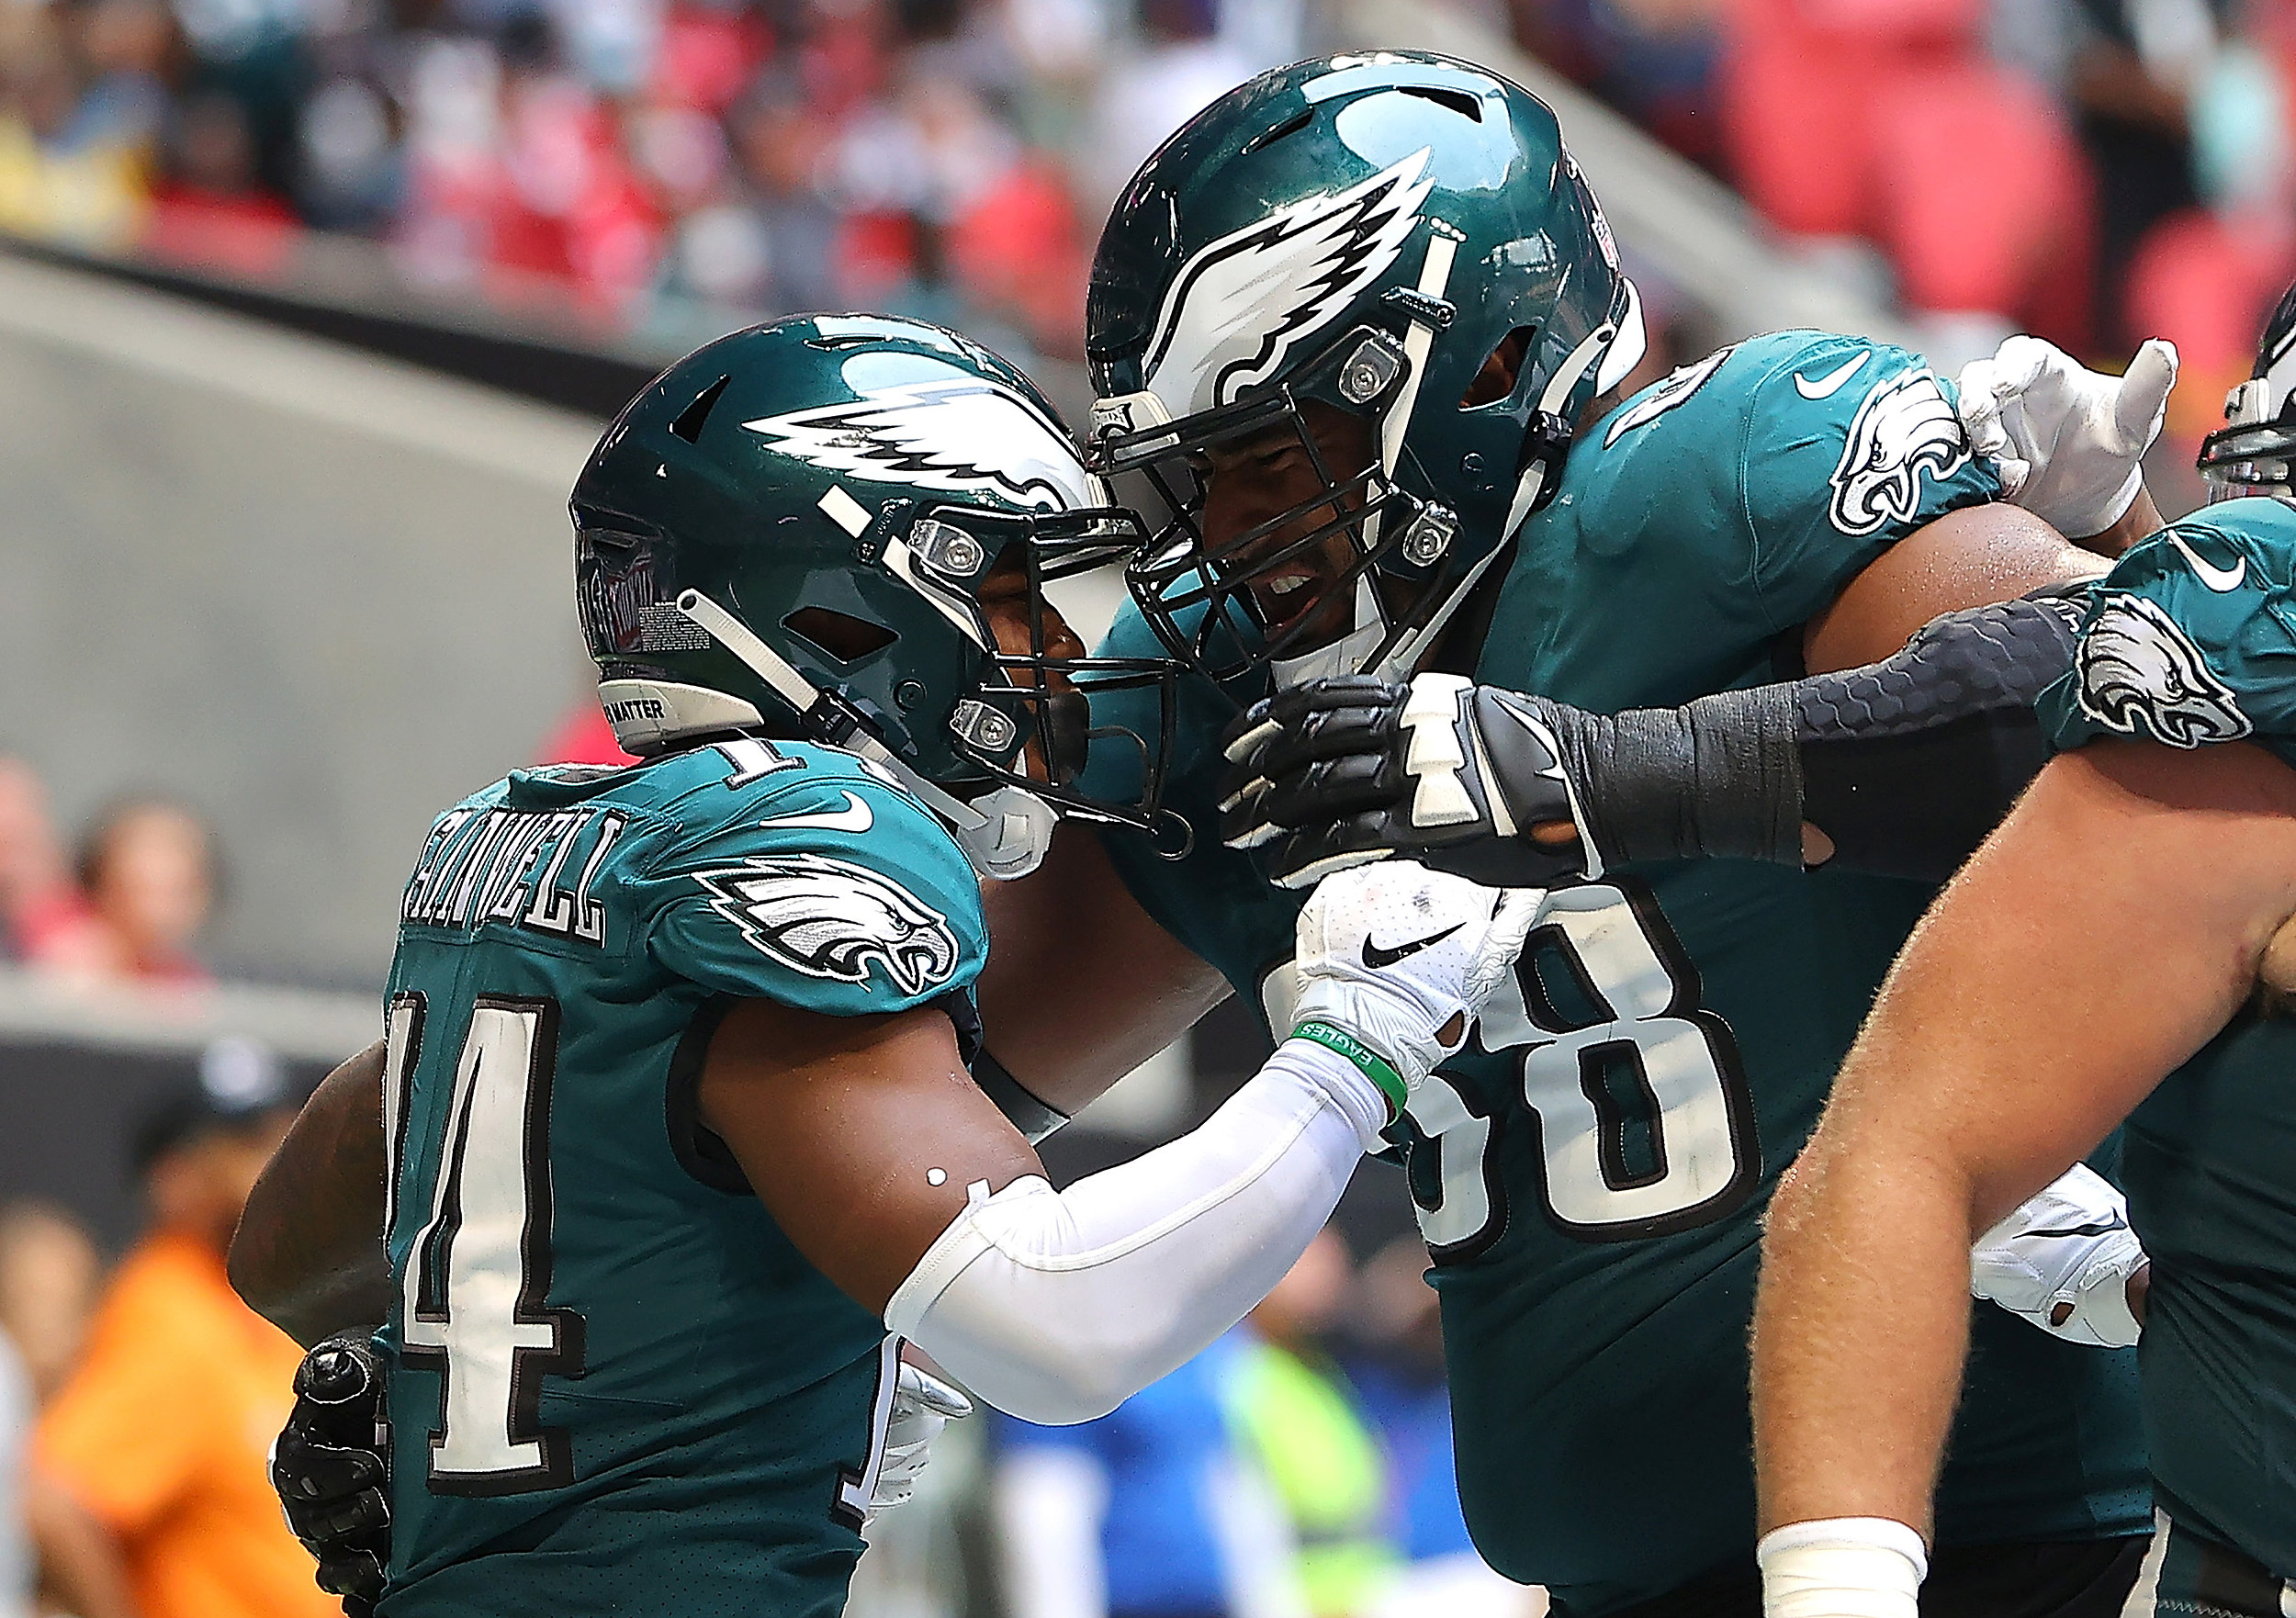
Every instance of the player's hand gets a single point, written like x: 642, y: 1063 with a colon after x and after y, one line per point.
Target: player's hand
x: 330, y: 1465
x: 1466, y: 779
x: 922, y: 1405
x: 1401, y: 960
x: 2063, y: 1260
x: 2068, y: 442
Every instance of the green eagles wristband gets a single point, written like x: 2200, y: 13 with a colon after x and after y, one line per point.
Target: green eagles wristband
x: 1374, y: 1065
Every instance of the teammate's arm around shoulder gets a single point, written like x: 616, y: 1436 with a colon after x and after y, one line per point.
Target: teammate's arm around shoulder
x: 2104, y: 933
x: 890, y: 1172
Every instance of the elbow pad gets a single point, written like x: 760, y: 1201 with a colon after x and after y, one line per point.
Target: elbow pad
x: 1908, y: 764
x: 1056, y: 1306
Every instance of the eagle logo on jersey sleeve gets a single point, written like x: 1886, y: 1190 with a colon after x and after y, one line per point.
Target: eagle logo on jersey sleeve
x: 1904, y: 431
x: 828, y: 919
x: 2134, y: 664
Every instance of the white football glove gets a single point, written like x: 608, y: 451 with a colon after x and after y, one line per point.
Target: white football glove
x: 1389, y: 954
x: 2068, y: 442
x: 922, y: 1405
x: 2063, y: 1260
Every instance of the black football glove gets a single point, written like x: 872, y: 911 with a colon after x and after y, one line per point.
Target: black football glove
x: 332, y: 1466
x: 1337, y: 772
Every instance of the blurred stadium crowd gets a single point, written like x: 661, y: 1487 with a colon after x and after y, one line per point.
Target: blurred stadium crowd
x: 675, y: 162
x: 947, y: 158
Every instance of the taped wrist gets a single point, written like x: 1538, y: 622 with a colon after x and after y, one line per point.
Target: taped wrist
x: 1843, y: 1568
x: 1908, y: 764
x: 1718, y: 777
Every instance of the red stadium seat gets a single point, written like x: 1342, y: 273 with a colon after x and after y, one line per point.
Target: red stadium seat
x: 1984, y: 200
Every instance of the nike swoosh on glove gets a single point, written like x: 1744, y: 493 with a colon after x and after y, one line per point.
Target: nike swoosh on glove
x: 2062, y: 1260
x: 1336, y: 773
x: 2068, y: 442
x: 922, y: 1405
x: 1397, y: 957
x: 330, y: 1465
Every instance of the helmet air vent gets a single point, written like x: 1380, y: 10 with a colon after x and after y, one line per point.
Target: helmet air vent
x: 1457, y: 101
x: 688, y: 425
x: 1291, y: 126
x: 840, y: 635
x: 1501, y: 369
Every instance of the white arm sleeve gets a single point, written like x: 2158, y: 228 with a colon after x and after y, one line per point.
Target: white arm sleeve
x: 1056, y: 1306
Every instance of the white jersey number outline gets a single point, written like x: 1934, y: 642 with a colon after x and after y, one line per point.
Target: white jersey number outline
x: 480, y: 1269
x: 1650, y: 1067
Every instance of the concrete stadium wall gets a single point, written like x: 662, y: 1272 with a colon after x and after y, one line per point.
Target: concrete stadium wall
x: 316, y: 593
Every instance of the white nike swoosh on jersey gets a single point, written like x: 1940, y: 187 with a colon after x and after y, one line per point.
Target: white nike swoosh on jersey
x: 1829, y: 385
x: 2223, y: 580
x: 856, y: 816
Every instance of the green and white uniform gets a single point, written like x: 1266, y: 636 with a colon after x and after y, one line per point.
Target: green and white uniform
x: 2192, y: 639
x: 1591, y: 1179
x: 617, y: 1387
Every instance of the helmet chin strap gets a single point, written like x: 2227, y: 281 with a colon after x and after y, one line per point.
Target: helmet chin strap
x: 1004, y: 834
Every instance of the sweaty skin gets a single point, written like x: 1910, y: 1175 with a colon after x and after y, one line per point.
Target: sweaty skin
x: 2004, y: 1046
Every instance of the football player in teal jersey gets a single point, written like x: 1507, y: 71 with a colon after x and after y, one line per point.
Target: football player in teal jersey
x: 1362, y: 321
x: 2117, y: 950
x: 671, y: 1141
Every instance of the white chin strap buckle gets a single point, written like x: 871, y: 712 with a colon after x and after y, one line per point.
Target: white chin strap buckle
x: 1016, y: 830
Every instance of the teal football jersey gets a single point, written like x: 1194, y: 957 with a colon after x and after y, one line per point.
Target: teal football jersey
x: 618, y: 1388
x: 1590, y: 1180
x: 2191, y: 639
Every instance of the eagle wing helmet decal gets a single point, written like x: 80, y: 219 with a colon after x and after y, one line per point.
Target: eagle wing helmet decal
x: 2136, y: 664
x: 830, y: 920
x: 1243, y: 301
x: 1904, y: 428
x: 960, y: 435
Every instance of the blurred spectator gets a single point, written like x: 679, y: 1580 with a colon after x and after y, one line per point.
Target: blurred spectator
x: 211, y: 208
x: 160, y: 1439
x: 49, y: 1270
x: 1652, y: 60
x: 1182, y: 64
x: 1399, y: 1376
x: 69, y: 169
x: 1302, y: 1418
x: 148, y: 867
x: 1150, y: 1511
x: 43, y: 919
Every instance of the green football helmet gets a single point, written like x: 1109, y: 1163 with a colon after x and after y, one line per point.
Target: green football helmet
x: 789, y: 533
x: 2253, y: 453
x: 1365, y: 231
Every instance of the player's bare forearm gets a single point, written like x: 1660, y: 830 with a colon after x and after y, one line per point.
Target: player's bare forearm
x: 1081, y: 987
x: 308, y: 1253
x: 2141, y: 520
x: 2008, y: 1039
x: 1860, y: 1327
x: 1965, y: 558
